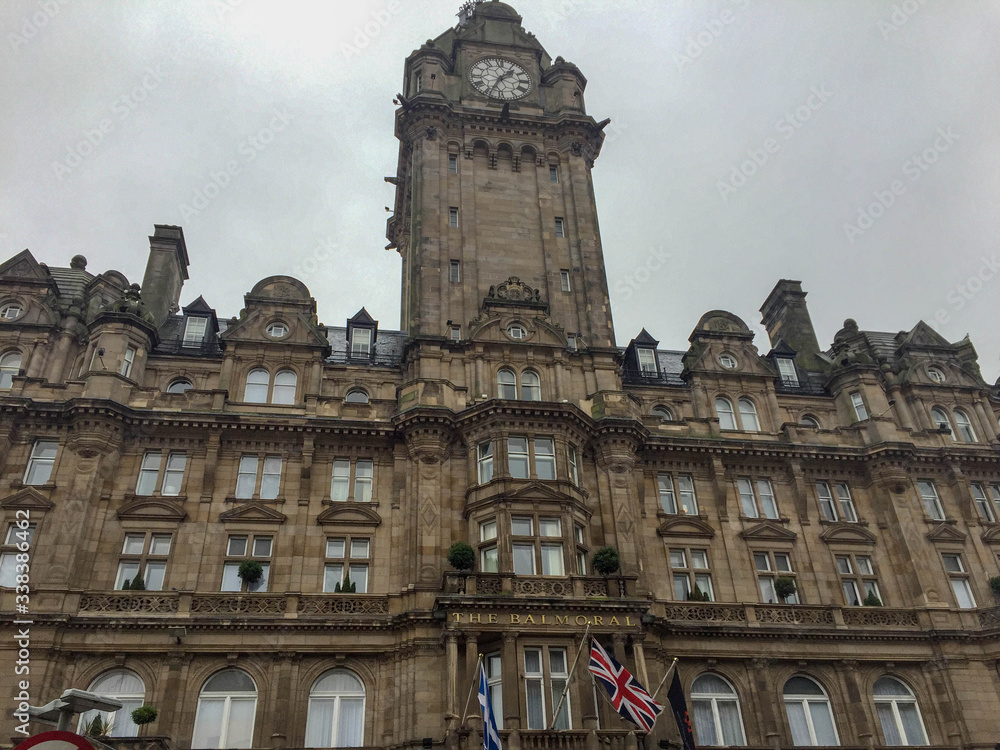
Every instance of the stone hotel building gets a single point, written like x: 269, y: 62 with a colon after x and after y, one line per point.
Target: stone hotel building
x: 811, y: 531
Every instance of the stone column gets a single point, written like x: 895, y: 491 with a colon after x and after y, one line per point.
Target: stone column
x: 511, y: 683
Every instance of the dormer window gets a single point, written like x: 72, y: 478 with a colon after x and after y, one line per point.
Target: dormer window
x: 647, y: 362
x: 786, y: 368
x: 361, y: 342
x: 194, y: 331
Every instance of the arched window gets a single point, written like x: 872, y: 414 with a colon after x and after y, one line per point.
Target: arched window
x: 10, y: 365
x: 663, y: 413
x: 724, y: 410
x: 121, y: 685
x: 336, y: 711
x: 898, y: 713
x: 531, y: 386
x: 748, y: 415
x: 506, y: 384
x: 717, y: 719
x: 227, y: 707
x: 258, y: 380
x: 809, y: 714
x: 964, y: 425
x: 285, y: 382
x: 808, y: 420
x: 356, y: 396
x: 179, y: 386
x: 941, y: 420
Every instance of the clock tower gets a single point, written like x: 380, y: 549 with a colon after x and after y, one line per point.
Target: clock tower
x: 494, y: 198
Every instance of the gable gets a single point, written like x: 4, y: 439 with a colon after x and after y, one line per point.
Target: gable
x: 349, y: 514
x: 685, y: 527
x: 27, y: 499
x: 847, y: 533
x: 152, y: 509
x: 253, y: 512
x: 767, y: 531
x: 23, y: 266
x: 945, y: 532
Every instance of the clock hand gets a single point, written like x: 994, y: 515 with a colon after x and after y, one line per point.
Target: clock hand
x: 500, y: 78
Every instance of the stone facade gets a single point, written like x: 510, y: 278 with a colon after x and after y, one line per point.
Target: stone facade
x: 139, y: 436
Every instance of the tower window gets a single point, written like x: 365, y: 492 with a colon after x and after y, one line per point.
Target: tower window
x: 127, y: 362
x: 564, y: 279
x: 560, y: 227
x: 453, y: 217
x: 860, y: 410
x: 571, y: 342
x: 553, y: 173
x: 453, y: 163
x: 456, y: 333
x: 455, y: 271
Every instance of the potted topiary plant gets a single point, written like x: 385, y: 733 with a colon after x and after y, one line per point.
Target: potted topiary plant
x: 698, y: 595
x: 606, y: 561
x: 250, y: 571
x: 872, y: 600
x: 98, y: 727
x: 145, y: 714
x: 138, y: 584
x: 461, y: 556
x: 995, y: 585
x: 784, y: 587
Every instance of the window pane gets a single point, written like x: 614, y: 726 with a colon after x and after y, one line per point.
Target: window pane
x: 488, y: 560
x: 703, y: 582
x: 237, y: 546
x: 173, y: 475
x: 864, y: 564
x: 521, y: 526
x: 846, y: 503
x: 746, y: 497
x: 761, y: 561
x: 333, y: 573
x: 208, y: 724
x: 359, y: 548
x: 160, y: 544
x: 246, y: 479
x: 134, y: 544
x: 748, y: 414
x: 230, y: 579
x: 686, y: 486
x: 767, y: 502
x: 350, y: 728
x: 677, y: 558
x: 797, y: 720
x: 549, y: 527
x: 767, y: 592
x: 558, y: 686
x: 363, y: 473
x: 271, y: 480
x: 782, y: 562
x: 545, y: 460
x: 963, y: 593
x: 913, y: 727
x: 261, y: 584
x: 341, y: 483
x: 533, y: 695
x: 851, y: 593
x: 524, y: 559
x: 826, y: 501
x: 239, y: 731
x: 953, y: 564
x: 487, y: 530
x: 704, y: 722
x: 552, y: 560
x: 699, y: 558
x: 517, y: 457
x: 822, y: 720
x: 257, y: 383
x: 844, y: 565
x: 888, y: 721
x: 665, y: 484
x: 262, y: 546
x: 335, y: 547
x: 359, y: 577
x: 724, y: 410
x: 682, y: 586
x: 148, y: 472
x: 127, y: 571
x: 155, y: 572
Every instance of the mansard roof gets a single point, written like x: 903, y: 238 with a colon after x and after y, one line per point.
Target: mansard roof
x: 388, y: 348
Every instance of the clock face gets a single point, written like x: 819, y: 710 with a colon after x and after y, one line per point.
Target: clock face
x: 500, y: 79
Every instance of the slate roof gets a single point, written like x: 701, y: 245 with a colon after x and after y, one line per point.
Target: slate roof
x: 388, y: 347
x: 70, y: 281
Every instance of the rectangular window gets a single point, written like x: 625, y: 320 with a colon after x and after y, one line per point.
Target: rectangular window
x: 668, y: 501
x: 786, y: 369
x: 524, y: 559
x: 839, y: 509
x: 983, y: 504
x: 194, y: 331
x: 260, y: 548
x: 545, y: 458
x: 691, y: 575
x: 456, y: 333
x: 552, y: 560
x: 647, y: 361
x: 364, y: 475
x: 857, y: 578
x: 574, y: 469
x: 347, y: 556
x: 769, y: 567
x: 517, y: 457
x: 127, y: 361
x: 455, y: 272
x: 560, y: 227
x: 453, y: 163
x: 959, y: 578
x: 17, y: 542
x: 488, y: 560
x: 173, y: 474
x: 571, y: 342
x: 270, y: 481
x: 361, y: 342
x: 759, y: 505
x: 340, y: 484
x: 860, y: 410
x: 494, y: 684
x: 246, y: 478
x: 40, y: 462
x: 929, y: 497
x: 685, y: 492
x: 149, y: 472
x: 553, y: 173
x: 145, y: 552
x: 453, y: 217
x: 540, y: 702
x: 564, y: 280
x: 484, y: 462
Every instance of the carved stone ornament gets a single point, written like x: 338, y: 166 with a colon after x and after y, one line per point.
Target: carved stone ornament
x: 514, y: 292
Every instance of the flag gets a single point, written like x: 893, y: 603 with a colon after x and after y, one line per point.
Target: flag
x: 629, y: 698
x: 675, y: 696
x: 491, y: 738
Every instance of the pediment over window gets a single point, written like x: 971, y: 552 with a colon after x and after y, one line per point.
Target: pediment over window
x: 27, y: 499
x: 253, y: 512
x: 350, y: 514
x: 523, y: 491
x: 23, y: 266
x: 946, y: 533
x: 847, y: 533
x: 769, y: 532
x: 152, y: 509
x: 687, y: 527
x: 992, y: 535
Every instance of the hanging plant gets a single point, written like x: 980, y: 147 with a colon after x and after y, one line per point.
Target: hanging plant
x: 606, y: 561
x: 145, y: 714
x: 461, y: 556
x: 250, y: 572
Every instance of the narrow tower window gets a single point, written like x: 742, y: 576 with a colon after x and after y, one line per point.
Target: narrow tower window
x: 453, y: 217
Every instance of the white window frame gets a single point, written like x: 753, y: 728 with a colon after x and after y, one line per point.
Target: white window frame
x: 128, y: 360
x: 838, y: 509
x: 981, y: 500
x: 455, y: 271
x: 350, y: 561
x: 930, y: 500
x: 787, y: 372
x: 192, y: 335
x: 757, y: 494
x: 725, y: 413
x: 961, y: 586
x: 330, y: 737
x: 805, y: 700
x: 748, y: 415
x: 963, y: 425
x: 484, y: 462
x: 894, y: 701
x: 677, y: 494
x: 531, y: 386
x: 547, y: 682
x: 361, y: 341
x: 560, y: 227
x: 715, y: 698
x: 564, y: 280
x: 10, y: 367
x: 648, y: 367
x: 860, y: 409
x: 453, y: 217
x: 229, y: 698
x: 37, y: 462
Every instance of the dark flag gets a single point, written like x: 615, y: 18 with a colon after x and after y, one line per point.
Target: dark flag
x: 675, y: 697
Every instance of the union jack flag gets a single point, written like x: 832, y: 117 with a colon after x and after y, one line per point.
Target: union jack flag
x: 629, y: 698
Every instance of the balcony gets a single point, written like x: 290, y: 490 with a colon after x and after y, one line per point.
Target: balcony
x: 570, y: 587
x: 183, y: 604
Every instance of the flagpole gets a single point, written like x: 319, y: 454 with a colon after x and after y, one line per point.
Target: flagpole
x: 475, y: 681
x: 669, y: 670
x: 572, y: 672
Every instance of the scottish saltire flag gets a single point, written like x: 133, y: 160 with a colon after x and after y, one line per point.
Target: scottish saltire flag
x: 678, y: 705
x: 629, y: 698
x: 491, y: 738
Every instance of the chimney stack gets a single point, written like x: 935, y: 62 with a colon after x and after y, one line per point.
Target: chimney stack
x: 786, y: 317
x: 166, y: 271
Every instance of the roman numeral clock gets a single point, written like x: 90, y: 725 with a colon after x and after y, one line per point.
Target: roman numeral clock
x: 500, y: 79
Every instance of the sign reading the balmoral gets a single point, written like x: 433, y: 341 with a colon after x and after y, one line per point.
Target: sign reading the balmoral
x: 544, y: 619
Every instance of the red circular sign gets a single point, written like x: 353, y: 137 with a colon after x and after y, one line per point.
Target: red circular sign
x: 55, y: 741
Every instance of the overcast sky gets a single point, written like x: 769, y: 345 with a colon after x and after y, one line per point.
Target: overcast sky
x: 851, y: 144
